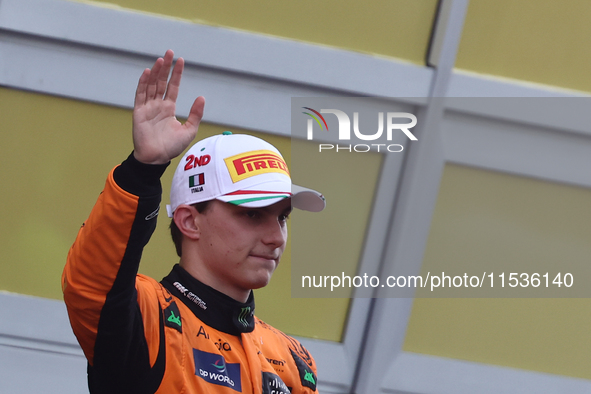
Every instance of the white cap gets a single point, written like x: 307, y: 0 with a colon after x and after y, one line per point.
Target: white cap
x: 239, y: 169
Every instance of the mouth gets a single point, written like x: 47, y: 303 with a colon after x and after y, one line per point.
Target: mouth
x: 269, y: 258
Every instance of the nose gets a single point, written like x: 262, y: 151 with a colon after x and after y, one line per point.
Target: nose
x: 275, y: 233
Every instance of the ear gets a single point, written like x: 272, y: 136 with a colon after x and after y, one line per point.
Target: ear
x: 186, y: 219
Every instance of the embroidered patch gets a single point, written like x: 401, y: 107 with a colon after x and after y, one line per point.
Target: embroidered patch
x: 172, y: 317
x: 307, y: 376
x: 214, y: 369
x: 272, y: 384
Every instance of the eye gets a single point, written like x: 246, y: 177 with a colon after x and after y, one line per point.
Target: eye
x: 283, y: 217
x: 253, y: 214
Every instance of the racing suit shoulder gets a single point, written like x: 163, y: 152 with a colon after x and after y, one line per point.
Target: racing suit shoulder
x: 289, y: 358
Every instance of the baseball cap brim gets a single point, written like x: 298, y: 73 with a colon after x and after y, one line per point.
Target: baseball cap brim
x: 307, y: 199
x: 259, y: 196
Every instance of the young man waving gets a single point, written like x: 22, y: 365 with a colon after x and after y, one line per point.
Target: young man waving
x: 195, y: 331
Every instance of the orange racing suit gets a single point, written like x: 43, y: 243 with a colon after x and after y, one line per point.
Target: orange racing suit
x: 173, y: 336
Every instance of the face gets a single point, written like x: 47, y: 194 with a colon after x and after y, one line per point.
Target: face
x: 239, y: 248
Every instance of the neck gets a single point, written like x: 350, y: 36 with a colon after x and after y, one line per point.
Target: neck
x: 213, y: 308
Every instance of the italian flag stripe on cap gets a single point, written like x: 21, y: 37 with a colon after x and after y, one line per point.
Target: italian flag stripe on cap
x: 246, y: 200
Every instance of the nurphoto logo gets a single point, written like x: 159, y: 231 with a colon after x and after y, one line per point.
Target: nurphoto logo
x: 395, y: 122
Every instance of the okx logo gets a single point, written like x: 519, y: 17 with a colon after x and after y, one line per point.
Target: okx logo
x: 214, y: 369
x: 396, y: 122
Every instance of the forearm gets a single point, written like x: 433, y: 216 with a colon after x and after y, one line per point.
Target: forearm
x: 99, y: 277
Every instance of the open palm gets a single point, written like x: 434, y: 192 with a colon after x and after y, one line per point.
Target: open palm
x: 158, y: 136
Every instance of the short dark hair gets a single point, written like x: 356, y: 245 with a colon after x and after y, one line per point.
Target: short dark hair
x: 177, y: 235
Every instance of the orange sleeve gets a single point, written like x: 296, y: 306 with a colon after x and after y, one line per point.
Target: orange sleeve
x: 94, y: 261
x: 106, y: 303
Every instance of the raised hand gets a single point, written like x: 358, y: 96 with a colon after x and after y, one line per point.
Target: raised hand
x: 158, y: 136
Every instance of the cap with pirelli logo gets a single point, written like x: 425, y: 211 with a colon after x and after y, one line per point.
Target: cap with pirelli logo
x: 238, y: 169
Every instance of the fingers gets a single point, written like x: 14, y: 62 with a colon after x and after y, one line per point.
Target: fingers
x: 140, y: 93
x: 153, y: 79
x: 172, y: 91
x: 163, y: 74
x: 154, y: 82
x: 158, y: 77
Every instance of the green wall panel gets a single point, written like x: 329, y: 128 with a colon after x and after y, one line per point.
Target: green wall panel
x: 541, y: 41
x: 397, y: 28
x: 487, y: 221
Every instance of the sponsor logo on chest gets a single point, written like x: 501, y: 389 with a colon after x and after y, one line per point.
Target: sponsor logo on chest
x: 214, y: 369
x: 272, y: 384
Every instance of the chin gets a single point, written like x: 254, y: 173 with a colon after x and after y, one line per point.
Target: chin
x: 260, y: 282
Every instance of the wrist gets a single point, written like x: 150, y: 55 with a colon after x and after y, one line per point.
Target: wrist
x: 143, y: 160
x: 138, y: 178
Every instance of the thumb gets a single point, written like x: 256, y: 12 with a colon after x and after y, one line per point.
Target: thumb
x: 196, y: 114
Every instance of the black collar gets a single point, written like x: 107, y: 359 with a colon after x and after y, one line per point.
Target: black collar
x: 213, y: 308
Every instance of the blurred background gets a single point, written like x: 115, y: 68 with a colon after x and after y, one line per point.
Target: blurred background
x: 486, y: 184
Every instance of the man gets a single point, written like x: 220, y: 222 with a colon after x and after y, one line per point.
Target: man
x: 194, y: 332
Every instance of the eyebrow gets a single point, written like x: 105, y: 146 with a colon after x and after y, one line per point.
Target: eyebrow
x: 288, y: 209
